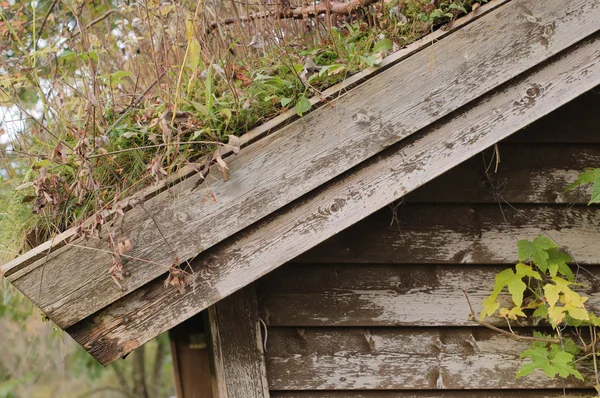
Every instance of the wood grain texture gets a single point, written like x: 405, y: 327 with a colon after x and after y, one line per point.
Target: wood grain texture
x: 178, y: 224
x: 456, y: 233
x: 264, y: 129
x: 571, y: 393
x: 237, y: 347
x: 527, y: 173
x: 222, y: 270
x: 303, y: 295
x: 398, y: 358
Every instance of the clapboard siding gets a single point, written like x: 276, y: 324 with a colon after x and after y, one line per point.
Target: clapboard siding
x: 380, y: 306
x: 397, y: 358
x: 527, y: 173
x: 575, y: 122
x: 458, y: 233
x: 384, y: 294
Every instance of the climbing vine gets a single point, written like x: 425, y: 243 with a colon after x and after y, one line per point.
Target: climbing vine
x: 543, y: 291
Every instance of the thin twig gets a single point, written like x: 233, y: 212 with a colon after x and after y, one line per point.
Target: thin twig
x: 156, y: 146
x: 502, y: 331
x: 97, y: 20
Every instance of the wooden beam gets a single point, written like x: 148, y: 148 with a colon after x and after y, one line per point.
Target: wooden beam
x: 191, y: 362
x: 224, y: 269
x: 402, y: 358
x: 387, y: 295
x: 72, y: 282
x: 237, y: 347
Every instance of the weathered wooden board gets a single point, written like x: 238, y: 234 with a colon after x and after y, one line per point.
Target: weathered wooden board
x: 527, y: 173
x: 237, y: 347
x: 566, y: 125
x: 72, y: 282
x: 305, y: 295
x: 437, y: 394
x: 255, y: 134
x: 398, y: 358
x: 222, y: 270
x: 456, y: 233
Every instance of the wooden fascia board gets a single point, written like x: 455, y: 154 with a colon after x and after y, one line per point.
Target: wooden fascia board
x: 72, y: 282
x: 345, y: 200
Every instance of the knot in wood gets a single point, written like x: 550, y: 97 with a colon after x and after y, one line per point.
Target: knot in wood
x: 362, y: 118
x: 182, y: 217
x: 337, y: 205
x: 534, y: 91
x: 549, y: 29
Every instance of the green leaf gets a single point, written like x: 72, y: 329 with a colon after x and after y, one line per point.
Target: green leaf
x: 539, y: 360
x: 563, y: 362
x: 331, y: 69
x: 595, y: 190
x: 585, y: 177
x: 572, y: 302
x: 513, y: 281
x: 557, y: 262
x: 370, y: 60
x: 194, y: 58
x: 117, y: 77
x: 551, y: 361
x: 536, y: 251
x: 285, y: 101
x: 303, y: 105
x: 384, y: 44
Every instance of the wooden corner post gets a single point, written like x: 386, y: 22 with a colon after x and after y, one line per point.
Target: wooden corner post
x: 236, y: 346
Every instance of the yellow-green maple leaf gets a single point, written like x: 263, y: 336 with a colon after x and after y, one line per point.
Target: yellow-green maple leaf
x: 513, y: 281
x: 572, y: 302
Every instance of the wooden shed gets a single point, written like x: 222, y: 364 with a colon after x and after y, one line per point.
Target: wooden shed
x: 334, y: 262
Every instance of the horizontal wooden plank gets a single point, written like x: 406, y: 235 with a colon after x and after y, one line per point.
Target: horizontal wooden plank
x: 303, y: 295
x: 571, y: 393
x: 574, y: 122
x: 457, y: 233
x: 398, y: 358
x: 72, y: 282
x: 222, y: 270
x: 527, y: 173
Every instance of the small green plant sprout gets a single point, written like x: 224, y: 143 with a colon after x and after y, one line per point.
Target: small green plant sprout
x: 540, y: 288
x: 588, y: 176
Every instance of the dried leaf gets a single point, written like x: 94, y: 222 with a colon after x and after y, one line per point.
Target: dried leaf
x: 153, y: 138
x: 124, y: 246
x: 58, y: 153
x: 222, y: 165
x: 24, y: 186
x: 234, y: 143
